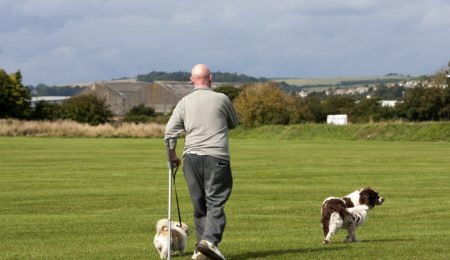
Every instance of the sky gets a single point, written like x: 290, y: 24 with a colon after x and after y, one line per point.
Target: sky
x: 67, y: 41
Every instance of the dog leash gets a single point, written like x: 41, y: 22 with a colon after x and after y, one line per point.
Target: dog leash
x: 174, y: 173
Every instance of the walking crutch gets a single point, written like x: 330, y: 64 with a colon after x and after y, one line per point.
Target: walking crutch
x: 169, y: 213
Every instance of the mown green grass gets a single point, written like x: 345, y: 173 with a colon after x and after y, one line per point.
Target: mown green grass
x: 100, y: 198
x: 387, y: 131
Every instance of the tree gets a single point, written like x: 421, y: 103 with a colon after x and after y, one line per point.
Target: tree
x: 339, y: 104
x: 14, y: 97
x: 45, y: 111
x: 444, y: 113
x: 300, y: 109
x: 370, y: 109
x: 260, y: 104
x: 142, y: 110
x: 316, y: 105
x: 140, y: 114
x: 86, y: 109
x: 229, y: 90
x: 421, y: 104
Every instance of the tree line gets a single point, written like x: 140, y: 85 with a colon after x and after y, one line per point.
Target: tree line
x: 257, y: 103
x: 15, y: 102
x: 185, y: 76
x: 265, y: 103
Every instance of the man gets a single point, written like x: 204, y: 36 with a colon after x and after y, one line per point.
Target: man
x: 205, y: 117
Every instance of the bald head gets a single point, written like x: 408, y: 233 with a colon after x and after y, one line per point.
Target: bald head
x: 201, y: 76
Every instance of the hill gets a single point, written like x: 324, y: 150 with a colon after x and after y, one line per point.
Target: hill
x: 184, y: 76
x: 322, y: 84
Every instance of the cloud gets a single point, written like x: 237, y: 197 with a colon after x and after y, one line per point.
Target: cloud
x: 59, y: 41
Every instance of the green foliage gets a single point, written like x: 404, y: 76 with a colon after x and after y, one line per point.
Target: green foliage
x: 384, y: 93
x: 45, y: 111
x: 185, y: 76
x: 144, y: 114
x: 14, y: 97
x: 445, y: 110
x: 387, y: 131
x: 257, y: 105
x: 234, y: 77
x: 161, y: 75
x: 339, y: 104
x: 262, y: 104
x: 86, y: 109
x: 137, y: 119
x: 420, y: 104
x: 299, y: 111
x: 370, y: 110
x: 229, y: 90
x: 314, y: 104
x: 142, y: 110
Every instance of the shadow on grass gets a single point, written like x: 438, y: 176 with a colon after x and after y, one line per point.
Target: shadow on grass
x: 279, y: 253
x: 386, y: 240
x: 275, y: 253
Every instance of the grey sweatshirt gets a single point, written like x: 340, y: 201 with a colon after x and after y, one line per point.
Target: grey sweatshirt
x: 205, y: 116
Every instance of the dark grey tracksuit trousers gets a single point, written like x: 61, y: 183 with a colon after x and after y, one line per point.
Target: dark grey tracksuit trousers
x: 210, y: 182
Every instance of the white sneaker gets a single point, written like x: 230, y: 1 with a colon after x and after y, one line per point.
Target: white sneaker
x: 210, y: 250
x: 198, y: 256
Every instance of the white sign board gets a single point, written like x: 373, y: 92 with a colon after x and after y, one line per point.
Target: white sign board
x: 337, y: 119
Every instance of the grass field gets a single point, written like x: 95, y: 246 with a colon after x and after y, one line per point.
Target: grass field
x: 100, y: 198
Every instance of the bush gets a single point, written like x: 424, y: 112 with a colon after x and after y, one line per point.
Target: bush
x: 86, y: 109
x: 423, y: 104
x: 14, y: 97
x: 140, y: 114
x: 45, y: 111
x: 229, y: 90
x: 142, y: 110
x: 262, y: 104
x: 137, y: 119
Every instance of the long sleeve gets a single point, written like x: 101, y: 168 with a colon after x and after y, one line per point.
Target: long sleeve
x: 175, y: 126
x: 205, y: 116
x: 232, y: 119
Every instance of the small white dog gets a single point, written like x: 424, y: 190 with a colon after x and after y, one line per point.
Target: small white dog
x: 178, y: 241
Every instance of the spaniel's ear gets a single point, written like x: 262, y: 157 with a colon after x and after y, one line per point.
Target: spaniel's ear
x: 364, y: 197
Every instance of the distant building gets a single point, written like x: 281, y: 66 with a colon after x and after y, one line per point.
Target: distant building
x: 121, y: 95
x: 388, y: 103
x: 48, y: 99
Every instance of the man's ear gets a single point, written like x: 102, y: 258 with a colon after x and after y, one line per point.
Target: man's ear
x: 191, y: 79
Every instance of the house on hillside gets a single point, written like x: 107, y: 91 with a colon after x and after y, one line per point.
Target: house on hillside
x: 123, y: 95
x: 388, y: 103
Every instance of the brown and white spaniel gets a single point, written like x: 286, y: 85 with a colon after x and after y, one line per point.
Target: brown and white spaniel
x: 348, y: 212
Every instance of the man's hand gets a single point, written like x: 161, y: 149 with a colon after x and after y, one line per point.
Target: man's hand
x: 174, y: 160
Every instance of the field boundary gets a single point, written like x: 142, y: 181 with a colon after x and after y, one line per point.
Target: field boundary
x: 387, y: 131
x: 64, y: 128
x: 393, y: 131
